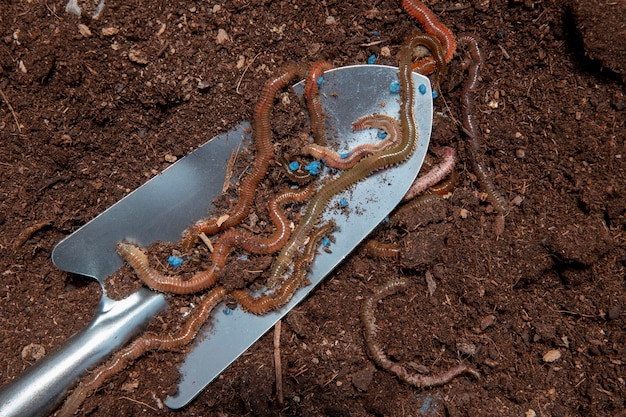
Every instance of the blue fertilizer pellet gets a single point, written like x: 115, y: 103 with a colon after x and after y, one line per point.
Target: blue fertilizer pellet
x: 343, y: 203
x: 371, y: 59
x: 435, y: 94
x: 175, y: 261
x: 375, y: 33
x: 422, y: 89
x: 381, y: 134
x: 320, y: 80
x: 313, y: 167
x: 227, y: 311
x: 326, y: 242
x: 294, y: 165
x: 345, y: 155
x: 394, y: 87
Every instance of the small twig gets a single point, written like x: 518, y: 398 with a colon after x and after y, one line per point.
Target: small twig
x: 138, y: 402
x: 229, y: 168
x: 6, y: 100
x: 206, y: 241
x: 28, y: 232
x: 244, y: 72
x: 277, y: 363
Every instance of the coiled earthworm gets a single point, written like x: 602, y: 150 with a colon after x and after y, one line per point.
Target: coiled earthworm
x: 436, y: 174
x: 433, y: 64
x: 431, y: 25
x: 138, y: 347
x: 138, y: 260
x: 313, y: 102
x: 469, y: 126
x: 283, y: 294
x: 346, y: 161
x: 297, y: 177
x: 264, y: 154
x: 362, y: 169
x: 381, y: 359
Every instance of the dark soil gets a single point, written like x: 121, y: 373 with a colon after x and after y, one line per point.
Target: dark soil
x: 84, y: 119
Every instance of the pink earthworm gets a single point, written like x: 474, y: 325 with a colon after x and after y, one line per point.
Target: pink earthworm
x: 436, y: 174
x: 377, y: 354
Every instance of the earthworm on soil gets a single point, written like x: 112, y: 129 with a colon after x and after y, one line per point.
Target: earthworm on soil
x: 138, y: 260
x: 436, y: 174
x: 469, y: 126
x: 264, y: 154
x: 283, y: 294
x: 435, y: 63
x: 432, y: 25
x: 313, y: 102
x: 447, y: 185
x: 362, y: 169
x: 346, y: 161
x: 382, y: 250
x: 28, y: 233
x: 381, y: 359
x: 138, y: 347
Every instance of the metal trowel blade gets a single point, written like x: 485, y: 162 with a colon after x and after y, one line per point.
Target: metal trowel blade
x: 347, y: 93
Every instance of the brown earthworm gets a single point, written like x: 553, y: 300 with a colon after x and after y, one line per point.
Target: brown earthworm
x: 297, y: 177
x: 435, y: 63
x: 446, y: 186
x: 346, y: 161
x: 175, y: 284
x: 431, y: 25
x: 436, y: 174
x: 381, y: 359
x: 264, y: 154
x: 313, y: 102
x: 469, y: 126
x: 362, y: 169
x: 138, y: 347
x: 382, y: 250
x: 283, y: 294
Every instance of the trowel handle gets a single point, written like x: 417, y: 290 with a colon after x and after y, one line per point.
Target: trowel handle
x: 40, y: 389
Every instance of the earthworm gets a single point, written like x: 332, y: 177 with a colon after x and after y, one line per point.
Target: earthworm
x: 431, y: 25
x: 264, y: 154
x: 138, y: 260
x: 313, y: 102
x: 346, y: 161
x: 28, y: 233
x: 446, y: 186
x: 435, y: 63
x: 297, y: 177
x: 138, y: 347
x: 469, y: 126
x: 437, y: 173
x: 362, y: 169
x: 382, y: 250
x: 283, y: 294
x: 381, y: 359
x: 418, y: 203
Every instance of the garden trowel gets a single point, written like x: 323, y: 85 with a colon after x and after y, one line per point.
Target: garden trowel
x: 162, y: 208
